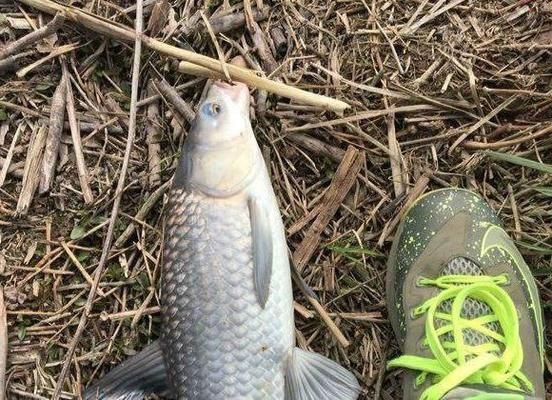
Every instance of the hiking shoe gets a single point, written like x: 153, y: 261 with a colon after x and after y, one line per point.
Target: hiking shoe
x: 460, y: 299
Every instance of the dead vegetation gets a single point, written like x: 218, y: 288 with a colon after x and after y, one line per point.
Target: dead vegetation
x: 442, y: 93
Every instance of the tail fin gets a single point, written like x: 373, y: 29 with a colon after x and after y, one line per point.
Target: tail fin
x: 310, y: 376
x: 141, y: 374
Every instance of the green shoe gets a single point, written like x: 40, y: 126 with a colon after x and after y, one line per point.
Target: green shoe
x: 463, y: 304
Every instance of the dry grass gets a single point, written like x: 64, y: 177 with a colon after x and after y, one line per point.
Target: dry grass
x: 433, y: 85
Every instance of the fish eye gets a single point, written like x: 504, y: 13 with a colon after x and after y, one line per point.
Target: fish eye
x: 212, y: 109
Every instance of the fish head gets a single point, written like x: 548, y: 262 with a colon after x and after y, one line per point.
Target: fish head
x: 220, y: 156
x: 223, y: 115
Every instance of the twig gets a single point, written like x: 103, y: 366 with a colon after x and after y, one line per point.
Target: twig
x: 114, y: 107
x: 77, y: 142
x: 123, y: 33
x: 225, y: 23
x: 116, y: 203
x: 395, y: 156
x: 217, y: 46
x: 131, y: 313
x: 317, y: 146
x: 10, y: 63
x: 279, y: 40
x: 174, y: 98
x: 430, y: 16
x: 54, y: 53
x: 9, y: 155
x: 16, y: 169
x: 3, y: 345
x: 469, y: 144
x: 263, y: 50
x: 382, y: 369
x: 153, y: 129
x: 55, y: 128
x: 515, y: 213
x: 311, y: 297
x: 343, y: 180
x: 31, y: 172
x: 363, y: 115
x: 179, y: 88
x: 415, y: 192
x: 481, y: 122
x: 79, y: 266
x: 142, y: 213
x: 33, y: 37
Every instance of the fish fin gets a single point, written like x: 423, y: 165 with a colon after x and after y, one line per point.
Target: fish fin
x: 139, y: 375
x: 261, y: 237
x: 311, y: 376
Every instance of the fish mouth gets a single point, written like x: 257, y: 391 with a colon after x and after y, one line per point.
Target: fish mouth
x: 237, y: 92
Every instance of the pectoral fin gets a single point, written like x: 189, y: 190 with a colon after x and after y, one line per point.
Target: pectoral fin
x: 141, y: 374
x: 310, y: 376
x: 261, y: 238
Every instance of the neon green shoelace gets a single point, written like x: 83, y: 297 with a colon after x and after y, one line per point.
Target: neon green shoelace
x: 496, y: 363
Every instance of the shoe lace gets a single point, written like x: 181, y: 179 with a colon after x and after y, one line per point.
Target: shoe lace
x: 455, y: 362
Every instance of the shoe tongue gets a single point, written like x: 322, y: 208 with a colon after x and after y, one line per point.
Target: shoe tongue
x: 471, y: 309
x: 486, y: 392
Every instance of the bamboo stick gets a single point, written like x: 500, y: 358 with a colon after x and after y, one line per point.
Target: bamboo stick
x: 186, y: 67
x: 120, y: 32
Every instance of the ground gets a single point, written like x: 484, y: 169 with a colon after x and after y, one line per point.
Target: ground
x: 442, y: 93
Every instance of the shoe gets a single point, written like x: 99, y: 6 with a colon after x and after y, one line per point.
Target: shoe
x: 463, y: 304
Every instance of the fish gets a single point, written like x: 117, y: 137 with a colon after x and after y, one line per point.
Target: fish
x: 227, y: 319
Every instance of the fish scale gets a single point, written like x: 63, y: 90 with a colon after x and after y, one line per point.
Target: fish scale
x: 214, y: 330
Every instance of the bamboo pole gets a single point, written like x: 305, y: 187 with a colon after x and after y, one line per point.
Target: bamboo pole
x: 123, y: 33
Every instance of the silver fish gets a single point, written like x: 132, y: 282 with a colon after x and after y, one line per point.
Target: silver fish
x: 227, y: 328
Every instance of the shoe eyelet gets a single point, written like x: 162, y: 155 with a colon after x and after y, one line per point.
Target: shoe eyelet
x: 424, y: 345
x: 420, y: 380
x: 508, y: 280
x: 416, y: 312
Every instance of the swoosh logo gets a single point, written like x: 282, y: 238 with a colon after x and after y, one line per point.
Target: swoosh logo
x: 497, y: 238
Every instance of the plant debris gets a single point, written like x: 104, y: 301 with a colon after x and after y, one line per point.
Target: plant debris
x: 441, y: 93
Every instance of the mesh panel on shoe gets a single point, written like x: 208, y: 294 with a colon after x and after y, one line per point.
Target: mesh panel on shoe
x: 472, y: 308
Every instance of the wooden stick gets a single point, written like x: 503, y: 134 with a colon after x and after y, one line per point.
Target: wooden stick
x: 33, y: 37
x: 123, y: 33
x: 317, y: 146
x: 343, y: 180
x: 55, y: 128
x: 174, y: 98
x: 31, y: 171
x: 222, y: 24
x: 77, y: 142
x: 154, y: 133
x: 395, y: 156
x: 116, y: 202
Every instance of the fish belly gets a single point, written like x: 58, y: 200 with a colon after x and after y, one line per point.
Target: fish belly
x: 217, y: 342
